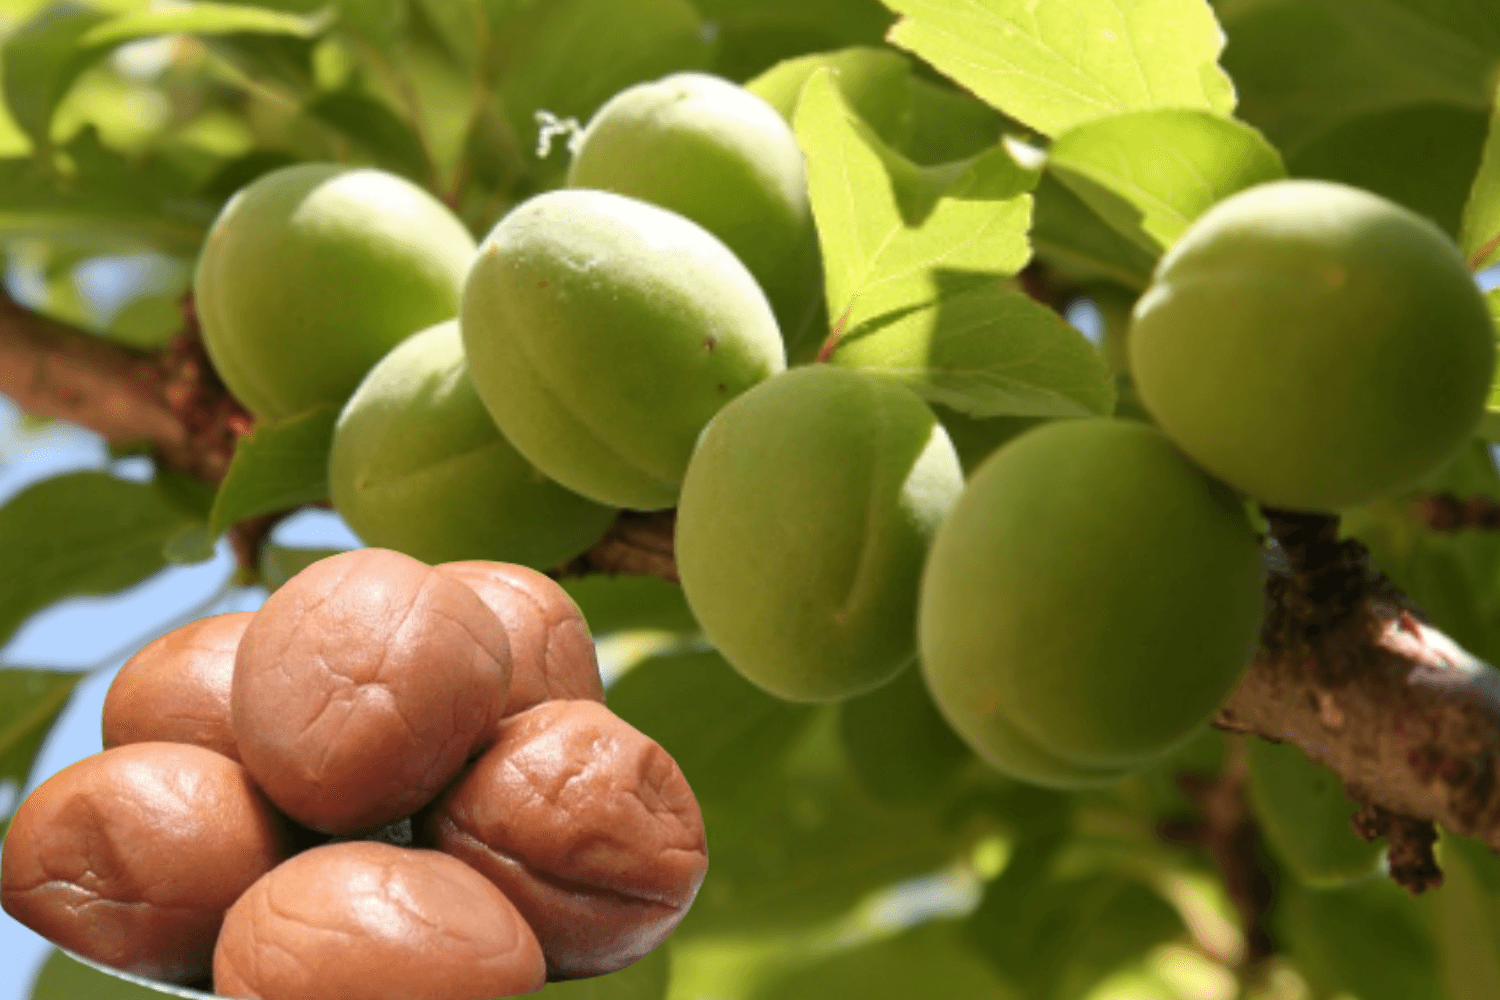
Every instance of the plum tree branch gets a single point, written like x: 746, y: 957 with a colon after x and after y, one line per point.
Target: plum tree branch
x: 170, y: 401
x: 1408, y: 721
x: 1447, y: 512
x: 56, y: 372
x: 637, y: 544
x: 173, y: 402
x: 1346, y: 671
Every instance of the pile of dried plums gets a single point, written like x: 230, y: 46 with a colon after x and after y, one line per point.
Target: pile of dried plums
x: 393, y: 780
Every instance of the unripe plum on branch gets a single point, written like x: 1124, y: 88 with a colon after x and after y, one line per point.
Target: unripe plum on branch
x: 312, y: 272
x: 603, y: 332
x: 805, y: 517
x: 418, y: 466
x: 1090, y: 601
x: 1314, y: 345
x: 717, y: 153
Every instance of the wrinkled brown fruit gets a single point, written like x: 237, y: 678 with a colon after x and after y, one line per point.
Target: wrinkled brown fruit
x: 132, y: 856
x: 368, y: 921
x: 587, y: 825
x: 551, y: 649
x: 362, y: 686
x: 176, y: 689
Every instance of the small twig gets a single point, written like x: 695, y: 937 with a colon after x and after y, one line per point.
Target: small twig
x: 1410, y: 857
x: 638, y: 544
x: 835, y: 333
x: 1229, y: 833
x: 1476, y: 261
x: 247, y: 539
x: 1448, y: 513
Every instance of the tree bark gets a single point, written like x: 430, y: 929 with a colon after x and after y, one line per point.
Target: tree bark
x: 170, y: 402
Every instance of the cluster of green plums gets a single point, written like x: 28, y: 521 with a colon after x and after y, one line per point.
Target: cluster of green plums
x: 1081, y: 595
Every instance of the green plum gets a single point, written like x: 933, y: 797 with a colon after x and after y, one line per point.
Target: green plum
x: 418, y: 466
x: 1090, y: 601
x: 1313, y: 345
x: 311, y: 273
x: 720, y: 155
x: 805, y: 516
x: 603, y: 333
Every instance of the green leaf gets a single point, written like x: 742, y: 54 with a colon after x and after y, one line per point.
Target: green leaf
x: 1306, y: 816
x: 282, y: 464
x: 1465, y: 918
x: 1468, y: 473
x: 147, y: 322
x: 204, y: 19
x: 753, y: 35
x: 241, y: 170
x: 1411, y: 22
x: 1369, y: 939
x: 1479, y: 234
x: 279, y: 563
x: 189, y: 494
x: 193, y: 544
x: 1149, y: 174
x: 379, y: 22
x: 455, y: 23
x: 1056, y: 65
x: 1456, y: 38
x: 570, y: 56
x: 79, y: 534
x: 43, y: 57
x: 371, y: 125
x: 1424, y: 157
x: 30, y: 702
x: 898, y: 742
x: 732, y: 740
x: 1070, y: 236
x: 875, y: 84
x: 885, y: 224
x: 932, y: 960
x: 63, y: 978
x: 1055, y: 934
x: 1489, y: 424
x: 275, y: 59
x: 645, y: 979
x: 987, y: 352
x: 627, y: 603
x: 799, y: 841
x: 106, y: 204
x: 949, y: 124
x: 1304, y: 67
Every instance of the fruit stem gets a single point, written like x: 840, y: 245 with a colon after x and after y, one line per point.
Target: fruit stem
x: 836, y: 333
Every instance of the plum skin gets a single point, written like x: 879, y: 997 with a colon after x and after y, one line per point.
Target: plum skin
x: 805, y: 517
x: 717, y: 153
x: 418, y: 466
x: 1313, y: 345
x: 312, y: 272
x: 1094, y: 594
x: 603, y: 333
